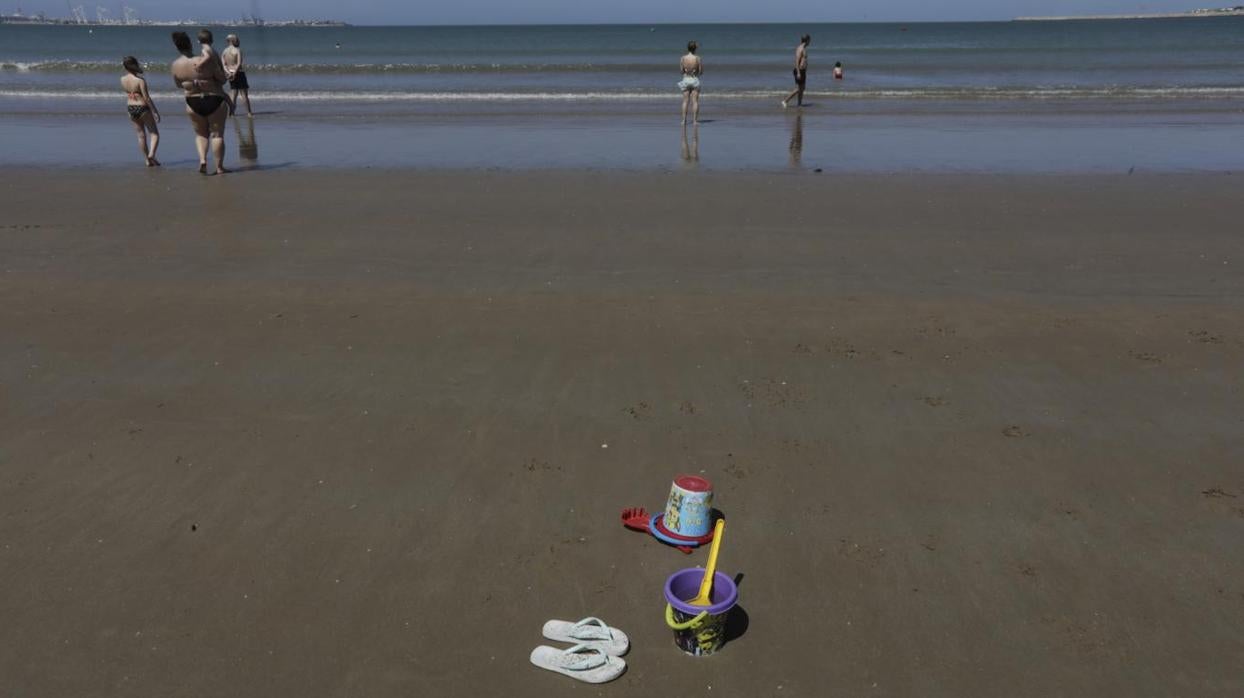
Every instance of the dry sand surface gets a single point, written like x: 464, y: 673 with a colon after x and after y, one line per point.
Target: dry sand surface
x: 344, y: 434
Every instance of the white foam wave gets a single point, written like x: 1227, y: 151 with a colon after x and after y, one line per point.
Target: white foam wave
x: 639, y: 96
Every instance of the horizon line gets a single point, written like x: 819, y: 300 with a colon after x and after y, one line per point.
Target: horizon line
x: 339, y: 23
x: 688, y: 24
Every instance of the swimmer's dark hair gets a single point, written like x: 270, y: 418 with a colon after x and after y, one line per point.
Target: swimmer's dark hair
x: 692, y: 46
x: 182, y: 41
x: 805, y: 39
x: 131, y: 64
x: 205, y: 36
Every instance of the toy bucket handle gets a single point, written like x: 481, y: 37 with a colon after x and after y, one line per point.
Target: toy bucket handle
x: 669, y: 619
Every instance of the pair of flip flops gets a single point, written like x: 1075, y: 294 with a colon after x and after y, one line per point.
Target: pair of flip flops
x: 595, y: 658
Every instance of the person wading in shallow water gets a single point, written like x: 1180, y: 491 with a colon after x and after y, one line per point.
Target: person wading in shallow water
x: 206, y: 102
x: 692, y: 68
x: 232, y: 60
x: 801, y: 71
x: 143, y: 112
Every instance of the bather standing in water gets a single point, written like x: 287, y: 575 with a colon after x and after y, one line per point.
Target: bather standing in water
x: 692, y: 68
x: 800, y: 71
x: 206, y: 101
x: 142, y: 111
x: 208, y: 55
x: 231, y: 58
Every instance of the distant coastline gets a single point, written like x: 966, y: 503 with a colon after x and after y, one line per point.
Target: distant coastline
x: 40, y: 20
x: 1237, y: 11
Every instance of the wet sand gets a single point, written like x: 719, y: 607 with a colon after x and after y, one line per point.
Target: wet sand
x: 344, y: 434
x: 834, y: 135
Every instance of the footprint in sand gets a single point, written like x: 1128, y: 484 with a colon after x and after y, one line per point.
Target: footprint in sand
x: 1147, y: 357
x: 936, y: 330
x: 773, y: 393
x: 1204, y: 337
x: 1014, y: 432
x: 1218, y: 493
x: 1087, y: 636
x: 534, y: 465
x: 845, y: 349
x: 866, y: 555
x: 791, y: 445
x: 1226, y: 594
x: 639, y: 411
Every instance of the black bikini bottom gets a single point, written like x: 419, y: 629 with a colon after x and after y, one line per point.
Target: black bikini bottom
x: 205, y: 105
x: 137, y: 111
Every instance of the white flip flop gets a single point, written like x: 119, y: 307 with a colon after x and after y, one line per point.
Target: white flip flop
x: 583, y: 663
x: 592, y: 632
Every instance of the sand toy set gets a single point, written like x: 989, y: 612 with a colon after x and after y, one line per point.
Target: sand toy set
x: 698, y: 601
x: 686, y: 523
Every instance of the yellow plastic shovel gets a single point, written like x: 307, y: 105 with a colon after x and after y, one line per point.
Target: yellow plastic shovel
x: 704, y: 598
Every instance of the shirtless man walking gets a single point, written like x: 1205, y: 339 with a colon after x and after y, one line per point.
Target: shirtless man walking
x: 801, y: 71
x: 232, y: 59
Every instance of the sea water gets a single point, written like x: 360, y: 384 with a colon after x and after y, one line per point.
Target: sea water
x: 610, y: 90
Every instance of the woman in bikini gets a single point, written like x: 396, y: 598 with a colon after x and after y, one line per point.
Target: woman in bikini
x: 692, y: 69
x: 143, y: 112
x: 206, y: 101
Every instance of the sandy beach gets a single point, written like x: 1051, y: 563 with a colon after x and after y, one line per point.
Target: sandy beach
x: 360, y: 433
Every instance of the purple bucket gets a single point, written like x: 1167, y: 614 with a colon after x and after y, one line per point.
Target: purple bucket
x: 698, y: 630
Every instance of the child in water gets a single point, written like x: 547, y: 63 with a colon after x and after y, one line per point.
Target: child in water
x: 838, y: 70
x: 209, y: 56
x: 143, y: 112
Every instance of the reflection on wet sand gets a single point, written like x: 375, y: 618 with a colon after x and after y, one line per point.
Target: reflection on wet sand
x: 248, y: 147
x: 691, y: 148
x: 796, y: 141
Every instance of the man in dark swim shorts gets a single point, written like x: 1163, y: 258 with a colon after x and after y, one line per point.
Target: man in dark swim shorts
x: 800, y: 71
x: 232, y: 59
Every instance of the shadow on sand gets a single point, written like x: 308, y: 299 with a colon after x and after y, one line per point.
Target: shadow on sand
x: 738, y: 620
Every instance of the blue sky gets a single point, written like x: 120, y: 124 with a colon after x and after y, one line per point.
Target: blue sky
x: 589, y: 11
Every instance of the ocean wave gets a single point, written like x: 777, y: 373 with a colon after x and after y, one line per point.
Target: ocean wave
x: 888, y: 65
x: 60, y: 66
x: 947, y: 94
x: 20, y: 66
